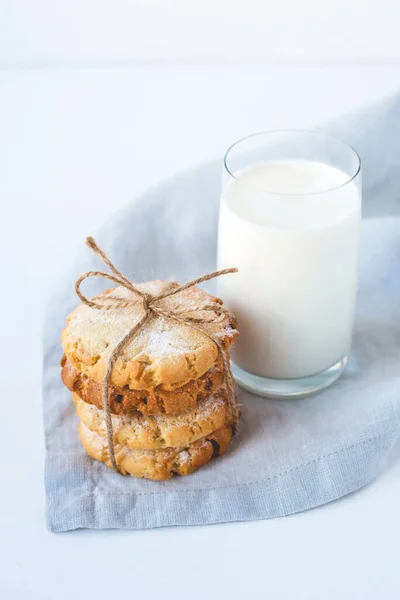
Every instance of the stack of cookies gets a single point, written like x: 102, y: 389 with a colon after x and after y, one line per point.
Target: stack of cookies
x: 168, y: 397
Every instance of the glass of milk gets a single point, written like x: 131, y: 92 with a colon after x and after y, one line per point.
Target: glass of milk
x: 289, y: 220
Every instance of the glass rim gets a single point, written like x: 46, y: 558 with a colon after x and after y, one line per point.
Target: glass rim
x: 294, y: 131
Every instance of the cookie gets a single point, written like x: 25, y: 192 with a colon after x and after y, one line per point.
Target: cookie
x: 140, y: 432
x: 157, y: 464
x: 152, y: 402
x: 163, y: 353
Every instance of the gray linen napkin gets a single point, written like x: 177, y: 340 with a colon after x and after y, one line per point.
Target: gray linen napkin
x: 288, y: 456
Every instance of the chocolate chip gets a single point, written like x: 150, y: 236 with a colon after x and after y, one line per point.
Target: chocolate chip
x: 216, y: 447
x: 119, y: 398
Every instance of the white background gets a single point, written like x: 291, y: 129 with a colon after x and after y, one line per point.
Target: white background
x: 107, y: 30
x: 98, y: 101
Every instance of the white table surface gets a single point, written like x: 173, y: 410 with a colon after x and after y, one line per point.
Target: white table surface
x: 75, y: 144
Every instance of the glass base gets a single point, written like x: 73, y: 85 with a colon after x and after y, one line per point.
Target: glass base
x: 288, y: 388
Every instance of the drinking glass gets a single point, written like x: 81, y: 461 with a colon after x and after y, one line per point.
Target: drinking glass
x: 289, y: 219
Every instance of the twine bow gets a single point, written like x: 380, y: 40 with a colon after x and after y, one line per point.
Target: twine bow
x: 152, y: 306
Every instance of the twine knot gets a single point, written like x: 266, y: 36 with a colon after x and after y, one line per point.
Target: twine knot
x: 152, y: 306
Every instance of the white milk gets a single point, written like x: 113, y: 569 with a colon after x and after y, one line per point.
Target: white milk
x: 296, y: 252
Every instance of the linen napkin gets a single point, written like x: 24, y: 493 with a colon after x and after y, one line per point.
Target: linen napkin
x: 289, y: 455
